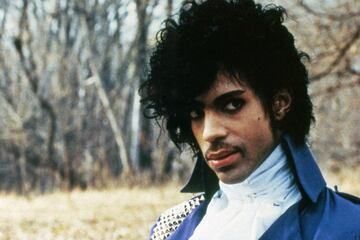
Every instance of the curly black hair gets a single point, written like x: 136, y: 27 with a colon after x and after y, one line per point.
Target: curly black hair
x: 237, y: 37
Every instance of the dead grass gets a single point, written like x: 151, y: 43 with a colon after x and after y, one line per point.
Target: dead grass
x: 121, y: 213
x: 112, y: 214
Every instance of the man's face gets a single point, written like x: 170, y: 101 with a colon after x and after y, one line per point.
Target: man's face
x: 232, y: 129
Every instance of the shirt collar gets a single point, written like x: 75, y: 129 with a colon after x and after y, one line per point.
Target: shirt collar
x: 272, y: 179
x: 301, y: 160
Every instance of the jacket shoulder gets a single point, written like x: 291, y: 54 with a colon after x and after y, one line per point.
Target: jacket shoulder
x: 349, y: 197
x: 341, y: 216
x: 170, y: 219
x: 333, y: 216
x: 345, y: 203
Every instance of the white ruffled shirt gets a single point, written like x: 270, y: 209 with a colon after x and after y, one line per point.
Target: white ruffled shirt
x: 246, y: 210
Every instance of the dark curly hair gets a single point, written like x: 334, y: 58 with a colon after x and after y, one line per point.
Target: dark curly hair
x: 237, y: 37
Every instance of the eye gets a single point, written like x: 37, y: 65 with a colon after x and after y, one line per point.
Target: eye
x: 233, y: 105
x: 195, y: 114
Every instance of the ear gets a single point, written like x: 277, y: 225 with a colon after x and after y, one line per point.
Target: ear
x: 281, y: 104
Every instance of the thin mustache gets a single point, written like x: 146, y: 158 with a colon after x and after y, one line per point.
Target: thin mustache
x: 223, y: 145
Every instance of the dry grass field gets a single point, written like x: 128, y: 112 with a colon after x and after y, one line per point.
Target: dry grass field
x: 110, y: 214
x: 122, y: 213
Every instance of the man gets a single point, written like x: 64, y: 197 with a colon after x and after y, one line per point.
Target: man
x: 229, y: 82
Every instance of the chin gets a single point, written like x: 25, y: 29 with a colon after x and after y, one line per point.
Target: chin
x: 228, y: 179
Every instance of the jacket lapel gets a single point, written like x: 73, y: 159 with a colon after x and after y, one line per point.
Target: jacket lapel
x: 287, y: 226
x: 202, y: 179
x: 306, y: 171
x: 311, y: 183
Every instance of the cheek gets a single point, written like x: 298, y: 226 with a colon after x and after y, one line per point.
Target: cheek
x: 263, y: 129
x: 196, y: 130
x: 257, y: 128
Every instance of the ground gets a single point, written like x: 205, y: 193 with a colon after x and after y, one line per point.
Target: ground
x: 110, y: 214
x: 122, y: 213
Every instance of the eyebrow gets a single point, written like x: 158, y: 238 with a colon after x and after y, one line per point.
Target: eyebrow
x: 223, y: 97
x: 219, y: 99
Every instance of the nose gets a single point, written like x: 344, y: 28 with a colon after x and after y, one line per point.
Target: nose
x: 214, y: 128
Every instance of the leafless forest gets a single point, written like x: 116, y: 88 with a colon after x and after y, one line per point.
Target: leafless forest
x: 69, y: 71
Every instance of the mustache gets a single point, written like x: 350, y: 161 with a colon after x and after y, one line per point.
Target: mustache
x: 220, y: 145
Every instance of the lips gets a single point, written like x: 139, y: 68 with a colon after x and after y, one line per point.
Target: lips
x: 222, y: 158
x: 219, y: 154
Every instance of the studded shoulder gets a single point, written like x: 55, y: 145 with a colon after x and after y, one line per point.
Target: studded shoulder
x: 171, y: 219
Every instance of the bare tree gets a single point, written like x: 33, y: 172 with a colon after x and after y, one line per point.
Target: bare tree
x: 70, y: 72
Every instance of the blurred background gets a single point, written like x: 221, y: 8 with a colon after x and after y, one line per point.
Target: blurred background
x: 70, y: 116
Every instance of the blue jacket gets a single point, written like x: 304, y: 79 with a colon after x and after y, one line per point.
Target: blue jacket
x: 322, y: 214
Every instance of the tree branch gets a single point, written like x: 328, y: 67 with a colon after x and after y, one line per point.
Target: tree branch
x: 112, y: 120
x: 334, y: 17
x: 339, y: 57
x: 29, y: 66
x: 337, y: 87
